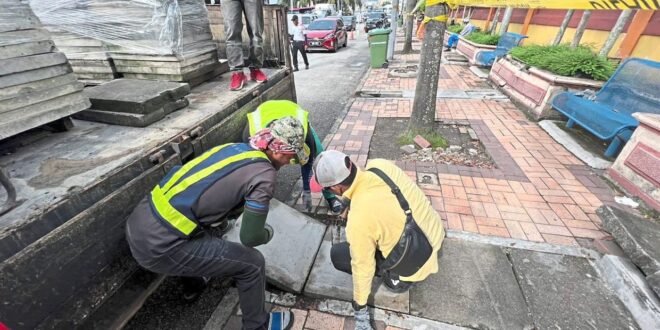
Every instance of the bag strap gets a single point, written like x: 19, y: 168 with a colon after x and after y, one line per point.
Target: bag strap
x: 395, y: 190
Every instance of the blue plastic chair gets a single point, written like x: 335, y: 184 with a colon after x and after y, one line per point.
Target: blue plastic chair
x: 507, y: 41
x: 634, y: 87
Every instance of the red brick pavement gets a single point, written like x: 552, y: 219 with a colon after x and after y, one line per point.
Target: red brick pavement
x: 540, y: 191
x: 452, y: 77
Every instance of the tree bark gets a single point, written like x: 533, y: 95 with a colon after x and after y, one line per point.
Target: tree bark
x: 579, y: 31
x: 505, y: 20
x: 426, y: 91
x: 562, y: 27
x: 496, y: 17
x: 616, y: 31
x: 409, y: 19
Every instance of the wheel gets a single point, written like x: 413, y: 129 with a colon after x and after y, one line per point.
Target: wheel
x: 334, y: 50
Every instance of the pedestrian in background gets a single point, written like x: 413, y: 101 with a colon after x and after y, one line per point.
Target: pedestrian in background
x: 298, y: 42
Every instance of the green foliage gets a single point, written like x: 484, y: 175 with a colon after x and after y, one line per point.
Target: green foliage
x: 483, y: 38
x: 456, y: 28
x: 580, y: 62
x: 435, y: 138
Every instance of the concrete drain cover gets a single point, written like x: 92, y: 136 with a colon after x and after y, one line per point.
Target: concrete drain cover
x: 409, y: 71
x: 427, y: 178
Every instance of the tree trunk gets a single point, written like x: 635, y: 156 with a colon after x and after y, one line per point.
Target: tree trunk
x: 426, y: 91
x: 580, y: 28
x: 562, y: 27
x: 409, y: 19
x: 496, y: 17
x: 616, y: 31
x: 505, y: 20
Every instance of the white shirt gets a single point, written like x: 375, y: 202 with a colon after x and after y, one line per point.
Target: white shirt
x: 297, y: 31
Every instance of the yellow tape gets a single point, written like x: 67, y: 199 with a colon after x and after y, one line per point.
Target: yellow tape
x: 554, y: 4
x: 441, y: 18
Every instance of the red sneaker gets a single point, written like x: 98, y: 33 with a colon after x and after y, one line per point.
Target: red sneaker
x: 258, y: 75
x: 238, y: 80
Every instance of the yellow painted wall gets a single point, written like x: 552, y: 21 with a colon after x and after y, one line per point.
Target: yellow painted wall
x: 647, y: 46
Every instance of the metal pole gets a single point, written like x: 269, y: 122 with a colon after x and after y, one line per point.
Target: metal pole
x: 393, y: 25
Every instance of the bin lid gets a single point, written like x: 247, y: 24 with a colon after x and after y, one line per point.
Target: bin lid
x: 379, y: 31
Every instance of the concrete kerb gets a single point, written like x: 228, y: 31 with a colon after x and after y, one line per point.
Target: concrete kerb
x: 573, y: 146
x: 526, y: 245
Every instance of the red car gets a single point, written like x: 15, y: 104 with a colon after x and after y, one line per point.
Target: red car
x: 326, y: 34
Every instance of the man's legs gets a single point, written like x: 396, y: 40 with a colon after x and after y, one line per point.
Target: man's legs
x: 209, y: 256
x: 294, y: 52
x: 232, y: 13
x: 303, y: 52
x: 451, y: 43
x: 254, y: 15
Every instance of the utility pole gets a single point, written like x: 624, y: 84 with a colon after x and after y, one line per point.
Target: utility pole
x: 580, y: 28
x: 506, y: 19
x: 422, y: 117
x: 616, y: 31
x: 562, y: 27
x: 393, y: 25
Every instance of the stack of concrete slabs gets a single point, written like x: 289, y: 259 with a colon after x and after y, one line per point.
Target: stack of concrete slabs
x: 37, y: 85
x: 132, y: 102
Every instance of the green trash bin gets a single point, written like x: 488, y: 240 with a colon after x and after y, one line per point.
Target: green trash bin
x: 378, y: 39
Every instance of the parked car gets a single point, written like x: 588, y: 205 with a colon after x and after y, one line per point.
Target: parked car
x: 375, y: 20
x: 305, y: 19
x: 349, y: 22
x: 326, y: 34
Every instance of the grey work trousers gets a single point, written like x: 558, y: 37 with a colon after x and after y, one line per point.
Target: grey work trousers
x: 232, y: 12
x: 210, y: 256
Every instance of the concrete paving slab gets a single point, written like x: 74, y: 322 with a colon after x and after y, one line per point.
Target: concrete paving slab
x: 27, y: 63
x: 27, y: 77
x: 290, y: 254
x: 327, y: 282
x: 131, y: 119
x: 475, y: 287
x: 135, y: 96
x: 566, y: 292
x: 639, y: 238
x: 630, y: 286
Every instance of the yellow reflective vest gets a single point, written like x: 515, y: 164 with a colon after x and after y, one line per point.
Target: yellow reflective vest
x: 269, y: 111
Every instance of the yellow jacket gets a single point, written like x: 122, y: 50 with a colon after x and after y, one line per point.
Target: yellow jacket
x: 376, y: 221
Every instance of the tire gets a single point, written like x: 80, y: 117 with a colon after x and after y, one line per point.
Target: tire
x: 334, y: 50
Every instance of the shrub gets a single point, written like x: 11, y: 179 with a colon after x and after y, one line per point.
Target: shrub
x: 456, y: 28
x: 580, y: 62
x: 483, y: 38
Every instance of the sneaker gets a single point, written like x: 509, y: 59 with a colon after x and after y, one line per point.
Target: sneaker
x: 280, y: 320
x: 306, y: 66
x: 193, y: 287
x: 238, y: 80
x: 336, y: 206
x: 447, y: 49
x: 295, y: 69
x: 258, y: 75
x: 394, y: 284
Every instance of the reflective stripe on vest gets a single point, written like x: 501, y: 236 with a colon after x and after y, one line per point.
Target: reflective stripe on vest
x: 182, y: 180
x: 273, y: 110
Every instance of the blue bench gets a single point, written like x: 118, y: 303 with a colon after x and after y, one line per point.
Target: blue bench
x: 634, y: 87
x: 507, y: 41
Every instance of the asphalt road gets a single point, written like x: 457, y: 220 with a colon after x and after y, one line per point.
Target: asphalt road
x: 324, y: 90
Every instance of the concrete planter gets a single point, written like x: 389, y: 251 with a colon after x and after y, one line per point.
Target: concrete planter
x: 533, y: 88
x: 470, y: 49
x: 637, y: 166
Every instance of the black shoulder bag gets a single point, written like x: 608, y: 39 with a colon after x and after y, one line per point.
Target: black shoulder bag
x: 413, y: 249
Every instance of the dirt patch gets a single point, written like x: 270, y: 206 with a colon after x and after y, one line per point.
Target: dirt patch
x: 409, y: 71
x: 462, y: 150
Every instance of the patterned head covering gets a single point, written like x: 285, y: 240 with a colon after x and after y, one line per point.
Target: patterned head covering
x: 285, y: 135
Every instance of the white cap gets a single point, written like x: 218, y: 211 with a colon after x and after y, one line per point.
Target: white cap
x: 330, y: 168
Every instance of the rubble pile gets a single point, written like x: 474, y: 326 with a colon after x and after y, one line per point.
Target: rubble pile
x: 37, y: 85
x: 472, y: 155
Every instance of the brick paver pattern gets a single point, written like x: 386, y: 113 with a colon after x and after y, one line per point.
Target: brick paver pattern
x: 540, y: 191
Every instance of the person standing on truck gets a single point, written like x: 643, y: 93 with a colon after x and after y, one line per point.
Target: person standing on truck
x: 270, y: 111
x: 232, y: 13
x: 168, y: 232
x: 298, y: 43
x: 392, y: 229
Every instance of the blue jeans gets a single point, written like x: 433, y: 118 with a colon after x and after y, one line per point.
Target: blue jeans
x: 306, y: 170
x: 453, y: 40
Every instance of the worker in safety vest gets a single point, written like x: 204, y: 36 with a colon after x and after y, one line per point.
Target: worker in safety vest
x: 269, y: 111
x: 168, y: 231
